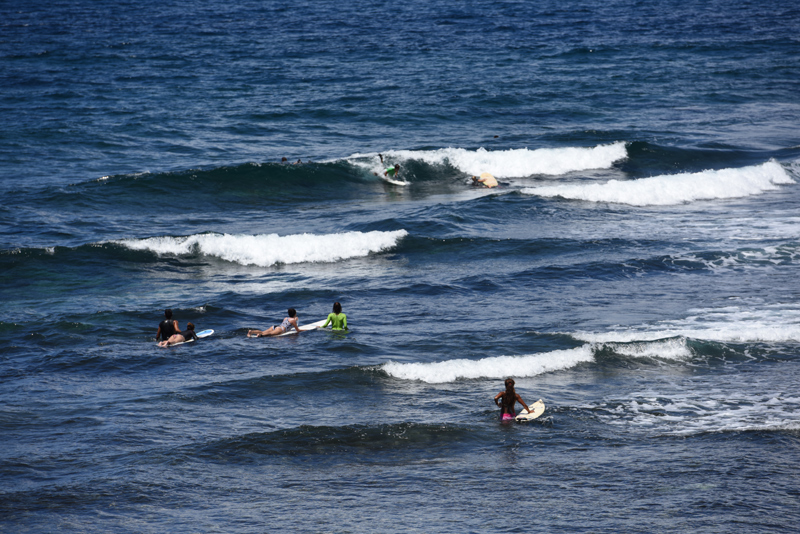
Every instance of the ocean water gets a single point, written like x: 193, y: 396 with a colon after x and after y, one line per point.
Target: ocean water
x: 637, y: 269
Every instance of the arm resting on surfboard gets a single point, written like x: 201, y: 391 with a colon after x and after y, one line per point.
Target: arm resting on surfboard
x: 519, y: 400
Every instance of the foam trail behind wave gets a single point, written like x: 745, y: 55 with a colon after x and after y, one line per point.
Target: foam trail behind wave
x: 775, y: 324
x: 495, y: 367
x: 677, y: 188
x: 270, y: 249
x: 509, y: 163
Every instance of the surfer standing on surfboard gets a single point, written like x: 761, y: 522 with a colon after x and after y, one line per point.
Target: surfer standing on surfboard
x: 289, y: 324
x: 507, y: 399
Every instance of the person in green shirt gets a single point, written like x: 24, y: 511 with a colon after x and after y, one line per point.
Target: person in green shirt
x: 337, y: 319
x: 390, y: 172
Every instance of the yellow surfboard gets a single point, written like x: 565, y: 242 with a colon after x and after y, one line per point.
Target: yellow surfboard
x: 488, y: 180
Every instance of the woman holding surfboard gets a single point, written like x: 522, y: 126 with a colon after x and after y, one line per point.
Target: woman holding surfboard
x: 507, y: 399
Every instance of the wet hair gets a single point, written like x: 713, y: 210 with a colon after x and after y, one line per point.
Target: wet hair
x: 510, y: 398
x: 168, y: 314
x: 396, y: 165
x: 190, y: 326
x: 292, y: 312
x: 337, y: 308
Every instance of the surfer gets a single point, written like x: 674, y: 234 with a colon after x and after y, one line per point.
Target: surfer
x: 486, y: 180
x: 337, y: 319
x: 289, y: 324
x: 389, y: 172
x: 168, y: 327
x: 507, y: 399
x: 180, y: 337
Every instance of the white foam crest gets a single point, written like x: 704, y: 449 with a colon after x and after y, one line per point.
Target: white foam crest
x: 269, y: 249
x: 675, y: 188
x: 773, y: 411
x: 775, y: 324
x: 766, y: 256
x: 494, y: 367
x: 669, y: 349
x: 508, y: 163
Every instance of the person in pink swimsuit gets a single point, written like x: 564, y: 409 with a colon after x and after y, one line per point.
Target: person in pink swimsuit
x: 507, y: 399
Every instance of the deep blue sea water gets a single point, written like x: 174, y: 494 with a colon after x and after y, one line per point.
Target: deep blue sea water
x: 637, y: 268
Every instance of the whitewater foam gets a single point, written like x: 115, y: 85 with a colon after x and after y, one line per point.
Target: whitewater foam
x: 682, y: 413
x: 675, y: 188
x: 494, y: 367
x: 506, y: 163
x: 774, y: 324
x: 669, y: 349
x: 270, y: 249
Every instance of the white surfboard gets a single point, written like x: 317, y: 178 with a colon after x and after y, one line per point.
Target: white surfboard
x: 393, y: 181
x: 537, y: 409
x: 304, y: 328
x: 201, y: 334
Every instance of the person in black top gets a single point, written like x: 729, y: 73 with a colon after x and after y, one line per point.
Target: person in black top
x: 180, y: 337
x: 168, y: 327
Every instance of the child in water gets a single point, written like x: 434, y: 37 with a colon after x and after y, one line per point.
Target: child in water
x: 507, y: 399
x: 337, y: 319
x: 182, y: 337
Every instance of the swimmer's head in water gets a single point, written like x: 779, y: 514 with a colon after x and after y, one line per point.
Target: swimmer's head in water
x: 337, y: 308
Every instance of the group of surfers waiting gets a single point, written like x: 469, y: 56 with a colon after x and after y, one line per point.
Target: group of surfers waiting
x: 171, y: 334
x: 169, y: 331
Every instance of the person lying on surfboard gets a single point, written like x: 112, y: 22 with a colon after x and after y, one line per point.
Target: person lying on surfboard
x: 180, y: 337
x: 486, y: 180
x: 507, y: 399
x: 289, y: 324
x: 337, y: 319
x: 390, y: 172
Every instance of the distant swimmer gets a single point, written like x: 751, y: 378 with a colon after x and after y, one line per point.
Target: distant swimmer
x: 507, y: 399
x: 168, y: 327
x: 337, y: 319
x: 486, y: 180
x: 289, y: 324
x: 181, y: 337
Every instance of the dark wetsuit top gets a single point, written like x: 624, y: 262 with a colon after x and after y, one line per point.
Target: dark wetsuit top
x: 188, y: 335
x: 167, y: 327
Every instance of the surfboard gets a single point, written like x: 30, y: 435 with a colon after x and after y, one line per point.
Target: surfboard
x: 393, y: 181
x: 201, y: 334
x: 537, y: 409
x: 303, y: 328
